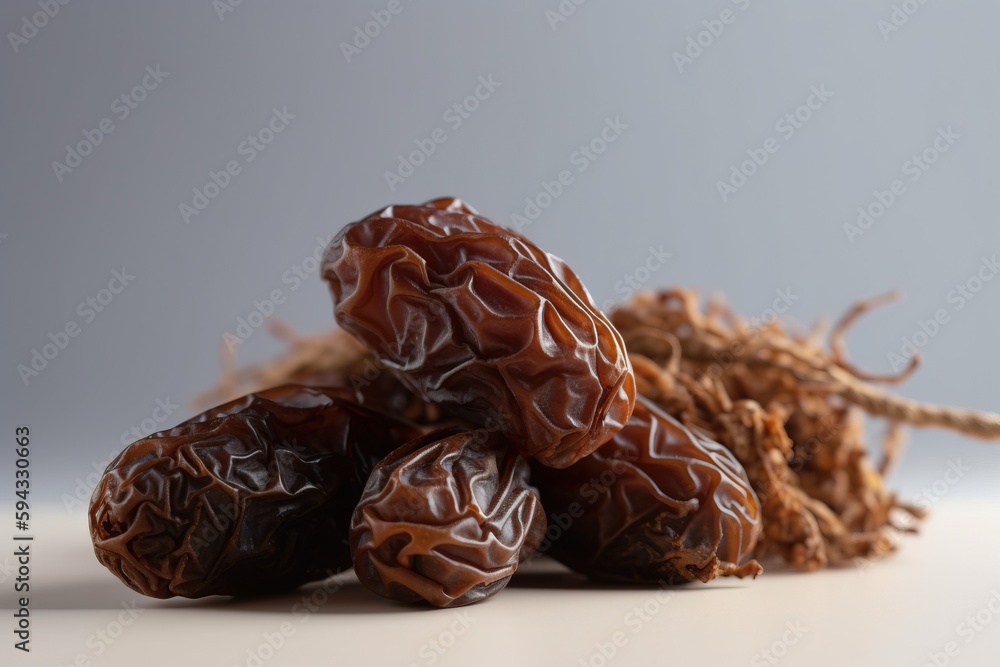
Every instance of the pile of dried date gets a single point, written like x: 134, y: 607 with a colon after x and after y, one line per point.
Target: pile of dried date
x: 471, y: 383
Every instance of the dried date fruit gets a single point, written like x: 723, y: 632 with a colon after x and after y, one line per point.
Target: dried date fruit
x: 446, y: 519
x: 656, y: 503
x: 479, y: 320
x: 455, y: 215
x: 334, y: 361
x: 266, y: 401
x: 252, y: 497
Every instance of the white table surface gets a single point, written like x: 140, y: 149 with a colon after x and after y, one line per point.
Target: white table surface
x: 895, y: 612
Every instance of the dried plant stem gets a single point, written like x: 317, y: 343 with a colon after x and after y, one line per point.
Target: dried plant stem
x: 836, y: 380
x: 326, y: 358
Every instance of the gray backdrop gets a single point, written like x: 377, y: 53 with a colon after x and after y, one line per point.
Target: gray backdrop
x: 641, y: 108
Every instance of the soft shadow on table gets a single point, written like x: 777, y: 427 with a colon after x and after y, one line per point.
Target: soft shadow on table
x: 88, y: 595
x: 543, y: 573
x: 568, y: 581
x: 346, y: 595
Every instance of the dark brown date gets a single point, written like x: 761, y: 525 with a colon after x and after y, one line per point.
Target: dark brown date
x: 267, y: 401
x: 657, y: 503
x: 446, y: 519
x: 252, y: 497
x: 479, y: 320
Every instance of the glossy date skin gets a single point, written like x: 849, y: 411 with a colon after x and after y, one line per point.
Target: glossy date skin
x: 252, y: 497
x: 446, y: 519
x: 267, y: 401
x: 479, y: 320
x: 656, y: 504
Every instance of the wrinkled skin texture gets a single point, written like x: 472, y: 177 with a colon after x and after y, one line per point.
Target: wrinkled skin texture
x: 266, y: 401
x: 446, y: 519
x: 657, y: 503
x: 479, y: 320
x: 253, y: 502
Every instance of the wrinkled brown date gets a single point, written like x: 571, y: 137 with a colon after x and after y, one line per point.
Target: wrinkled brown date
x: 657, y: 503
x: 266, y: 401
x: 252, y: 497
x: 446, y: 519
x: 481, y: 321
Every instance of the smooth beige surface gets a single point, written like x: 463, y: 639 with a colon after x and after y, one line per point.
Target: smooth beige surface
x: 894, y: 612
